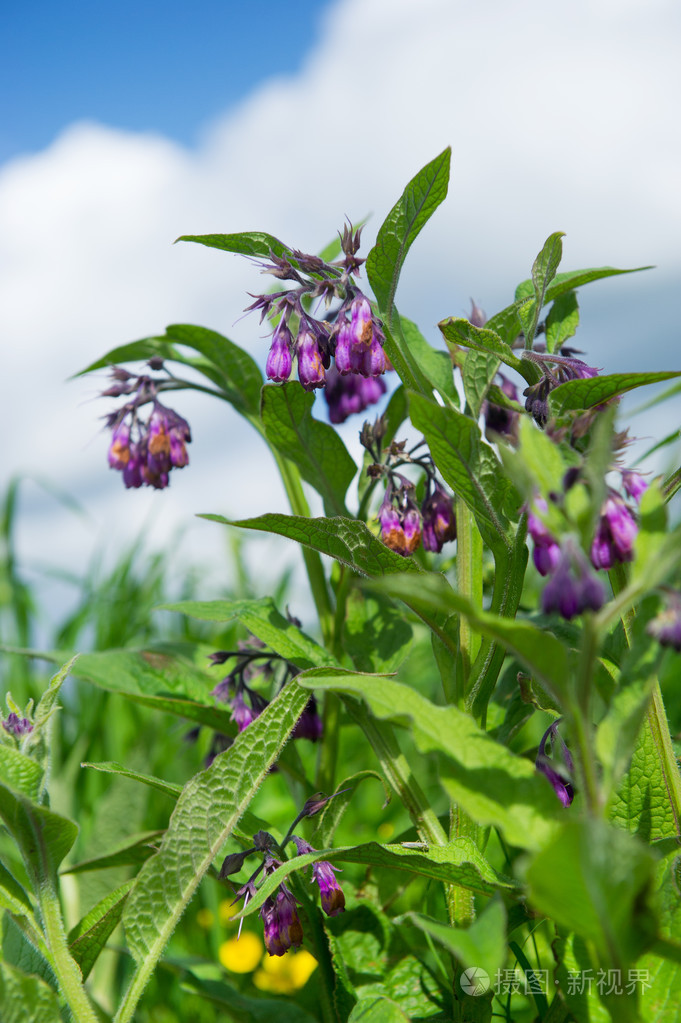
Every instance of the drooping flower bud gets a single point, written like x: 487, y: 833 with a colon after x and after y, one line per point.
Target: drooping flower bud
x: 666, y: 627
x: 572, y: 589
x: 439, y: 523
x: 332, y: 897
x: 311, y: 371
x: 346, y: 395
x: 615, y: 534
x: 309, y: 724
x: 634, y: 484
x: 279, y: 360
x: 119, y: 449
x: 361, y: 324
x: 546, y: 551
x: 558, y: 775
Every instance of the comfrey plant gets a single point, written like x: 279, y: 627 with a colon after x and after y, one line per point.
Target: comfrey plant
x: 527, y: 867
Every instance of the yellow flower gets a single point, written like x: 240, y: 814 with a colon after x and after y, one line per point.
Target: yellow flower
x: 241, y: 955
x: 205, y: 918
x: 285, y: 974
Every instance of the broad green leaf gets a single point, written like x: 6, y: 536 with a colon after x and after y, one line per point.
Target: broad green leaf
x: 544, y: 270
x: 132, y: 852
x: 314, y: 447
x: 458, y: 863
x: 459, y: 331
x: 24, y: 998
x: 159, y: 680
x: 596, y: 880
x: 377, y: 1009
x: 466, y: 462
x: 537, y: 464
x: 575, y: 395
x: 482, y: 945
x: 210, y: 806
x: 244, y: 1008
x: 12, y: 895
x: 418, y: 202
x: 479, y: 370
x: 562, y: 321
x: 575, y: 978
x: 661, y: 994
x: 89, y: 936
x: 262, y: 618
x: 539, y: 650
x: 240, y: 378
x: 109, y: 767
x: 489, y: 782
x: 375, y: 634
x: 43, y: 837
x: 346, y: 540
x: 570, y: 279
x: 245, y: 243
x: 20, y: 771
x: 435, y: 364
x: 133, y: 351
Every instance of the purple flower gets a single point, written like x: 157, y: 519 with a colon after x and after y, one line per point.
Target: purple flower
x: 280, y: 917
x: 361, y: 324
x: 279, y: 360
x: 615, y: 535
x: 499, y: 420
x: 311, y: 371
x: 344, y: 348
x: 332, y: 897
x: 392, y: 533
x: 439, y: 523
x: 633, y: 483
x: 346, y: 395
x: 16, y: 725
x: 560, y: 779
x: 119, y: 449
x: 572, y: 589
x: 412, y: 529
x: 546, y: 551
x: 477, y: 316
x: 666, y: 627
x: 309, y: 724
x: 224, y: 689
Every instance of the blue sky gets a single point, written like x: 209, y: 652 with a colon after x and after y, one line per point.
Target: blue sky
x: 166, y: 67
x: 124, y: 127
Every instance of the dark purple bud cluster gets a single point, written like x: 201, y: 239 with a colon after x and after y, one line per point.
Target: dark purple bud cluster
x: 556, y: 369
x: 279, y: 912
x: 350, y: 333
x: 403, y: 525
x: 145, y: 450
x: 666, y: 627
x: 16, y: 725
x: 501, y: 421
x: 572, y: 588
x: 615, y: 534
x: 559, y: 774
x: 346, y: 395
x: 546, y: 550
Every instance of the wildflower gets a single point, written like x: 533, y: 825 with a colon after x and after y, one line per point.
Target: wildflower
x: 546, y: 551
x: 666, y: 627
x: 439, y: 523
x: 559, y: 778
x: 401, y: 524
x: 499, y: 420
x: 284, y: 976
x: 309, y: 724
x: 311, y: 371
x: 564, y: 368
x: 279, y: 360
x: 346, y: 395
x: 615, y: 534
x: 332, y: 897
x: 633, y: 483
x: 572, y: 589
x: 16, y: 725
x: 361, y: 324
x: 282, y: 928
x: 119, y: 449
x: 242, y: 954
x: 477, y: 316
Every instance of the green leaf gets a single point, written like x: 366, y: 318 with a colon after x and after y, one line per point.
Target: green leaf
x: 459, y: 331
x: 570, y: 279
x: 346, y: 540
x: 159, y: 680
x: 418, y: 202
x: 109, y: 767
x: 489, y: 782
x: 243, y: 1008
x: 539, y: 650
x: 326, y: 822
x: 245, y: 243
x: 575, y: 395
x: 43, y: 837
x: 377, y: 1009
x: 240, y: 378
x: 133, y: 351
x: 12, y: 896
x: 205, y: 815
x: 536, y: 464
x: 562, y: 321
x: 20, y: 771
x: 596, y: 880
x: 482, y: 945
x: 89, y: 936
x: 543, y: 271
x: 479, y: 370
x: 314, y: 447
x: 466, y: 462
x: 262, y: 618
x: 660, y: 1000
x: 458, y: 863
x: 132, y: 852
x: 375, y: 634
x: 434, y: 364
x: 24, y: 997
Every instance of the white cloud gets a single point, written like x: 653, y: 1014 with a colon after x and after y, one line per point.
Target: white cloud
x: 559, y: 118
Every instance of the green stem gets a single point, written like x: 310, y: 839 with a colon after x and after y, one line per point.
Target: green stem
x: 65, y: 967
x: 579, y: 713
x: 399, y: 774
x: 469, y: 584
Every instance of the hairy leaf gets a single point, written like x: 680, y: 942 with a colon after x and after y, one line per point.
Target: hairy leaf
x: 575, y: 395
x: 482, y: 945
x: 89, y: 936
x: 43, y: 837
x: 25, y: 997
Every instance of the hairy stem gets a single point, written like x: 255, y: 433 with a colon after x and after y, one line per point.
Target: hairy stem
x: 65, y: 967
x: 469, y: 584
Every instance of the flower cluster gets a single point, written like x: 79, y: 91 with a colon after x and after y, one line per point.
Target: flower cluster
x: 501, y: 421
x: 279, y: 912
x: 252, y: 659
x: 15, y: 725
x: 350, y: 334
x: 558, y: 774
x: 403, y: 524
x: 572, y: 587
x: 145, y: 450
x: 556, y: 369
